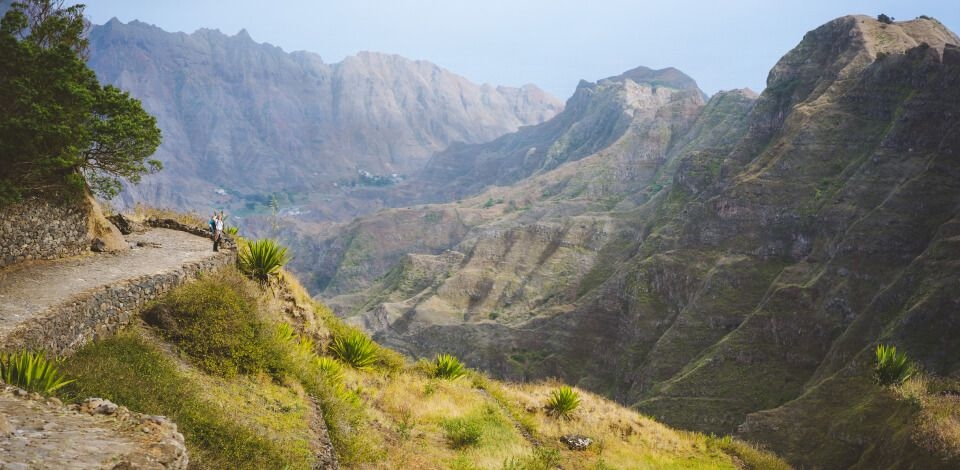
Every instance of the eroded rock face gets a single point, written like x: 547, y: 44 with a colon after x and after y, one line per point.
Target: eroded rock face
x: 248, y: 118
x: 742, y: 281
x: 37, y: 432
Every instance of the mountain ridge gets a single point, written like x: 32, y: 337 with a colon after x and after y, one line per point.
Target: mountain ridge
x: 227, y: 103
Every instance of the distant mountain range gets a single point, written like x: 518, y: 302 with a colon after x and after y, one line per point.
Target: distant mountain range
x: 242, y: 120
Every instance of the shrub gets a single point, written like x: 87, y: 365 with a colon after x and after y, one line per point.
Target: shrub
x: 463, y: 432
x: 232, y: 231
x: 31, y: 371
x: 542, y: 458
x: 884, y: 18
x: 892, y: 367
x: 262, y: 258
x: 356, y: 349
x: 215, y: 321
x: 562, y: 402
x: 448, y: 367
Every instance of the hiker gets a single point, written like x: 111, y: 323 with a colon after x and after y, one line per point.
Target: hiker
x: 213, y: 224
x: 217, y: 232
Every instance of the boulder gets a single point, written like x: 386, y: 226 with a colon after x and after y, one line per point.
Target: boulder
x: 576, y: 441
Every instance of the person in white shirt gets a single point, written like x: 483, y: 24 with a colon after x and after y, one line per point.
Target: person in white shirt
x: 217, y: 232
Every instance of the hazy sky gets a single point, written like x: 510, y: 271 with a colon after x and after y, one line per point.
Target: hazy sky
x: 551, y: 43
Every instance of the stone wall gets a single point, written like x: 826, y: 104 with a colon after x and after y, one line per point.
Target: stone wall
x: 64, y: 328
x: 38, y: 229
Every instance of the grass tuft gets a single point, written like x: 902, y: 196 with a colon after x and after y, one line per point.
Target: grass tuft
x: 463, y: 432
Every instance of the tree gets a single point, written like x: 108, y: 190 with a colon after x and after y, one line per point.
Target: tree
x: 59, y: 128
x: 884, y: 18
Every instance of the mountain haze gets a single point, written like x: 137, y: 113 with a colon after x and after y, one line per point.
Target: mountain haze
x: 726, y: 267
x: 253, y: 119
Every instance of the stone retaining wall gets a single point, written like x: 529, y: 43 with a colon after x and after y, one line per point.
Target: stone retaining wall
x: 38, y: 229
x: 64, y: 328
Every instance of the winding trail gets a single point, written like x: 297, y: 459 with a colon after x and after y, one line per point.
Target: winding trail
x: 30, y: 289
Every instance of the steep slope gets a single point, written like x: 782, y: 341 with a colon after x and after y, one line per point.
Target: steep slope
x: 252, y: 119
x: 634, y: 125
x: 742, y: 283
x: 259, y: 386
x: 641, y: 103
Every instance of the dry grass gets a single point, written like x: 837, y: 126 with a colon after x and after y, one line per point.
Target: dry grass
x: 937, y: 425
x: 624, y: 438
x: 143, y: 212
x: 409, y: 410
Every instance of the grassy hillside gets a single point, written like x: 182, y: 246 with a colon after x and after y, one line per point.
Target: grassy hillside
x: 246, y: 371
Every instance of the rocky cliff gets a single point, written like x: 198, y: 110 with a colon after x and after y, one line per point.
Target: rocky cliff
x: 251, y: 119
x: 726, y: 267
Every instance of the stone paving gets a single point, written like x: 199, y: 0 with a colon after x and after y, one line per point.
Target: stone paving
x: 29, y: 289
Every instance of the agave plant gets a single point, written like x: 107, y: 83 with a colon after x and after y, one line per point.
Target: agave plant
x: 232, y: 231
x: 262, y: 258
x: 31, y: 371
x: 330, y: 367
x: 562, y: 402
x: 892, y: 367
x: 448, y: 367
x: 355, y: 349
x: 301, y: 345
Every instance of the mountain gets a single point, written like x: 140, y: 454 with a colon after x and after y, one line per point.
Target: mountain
x: 251, y: 119
x: 726, y: 267
x: 648, y: 105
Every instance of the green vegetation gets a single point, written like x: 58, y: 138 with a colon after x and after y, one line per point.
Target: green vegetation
x: 261, y: 259
x: 884, y: 18
x: 936, y: 424
x: 492, y: 202
x: 59, y: 128
x: 216, y: 323
x: 130, y: 369
x: 563, y: 401
x: 448, y: 367
x: 462, y: 432
x: 355, y: 349
x: 892, y: 367
x: 542, y: 458
x: 251, y: 412
x: 32, y: 371
x: 749, y: 455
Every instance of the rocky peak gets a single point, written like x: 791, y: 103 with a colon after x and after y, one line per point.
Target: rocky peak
x: 654, y: 103
x: 668, y: 77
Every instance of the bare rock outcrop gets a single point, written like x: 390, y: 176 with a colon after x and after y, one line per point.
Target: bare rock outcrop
x: 96, y: 434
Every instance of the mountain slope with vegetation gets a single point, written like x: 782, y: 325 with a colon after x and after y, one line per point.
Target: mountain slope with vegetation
x: 736, y: 283
x: 256, y: 376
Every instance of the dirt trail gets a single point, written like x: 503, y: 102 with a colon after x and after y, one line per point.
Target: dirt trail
x: 29, y: 289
